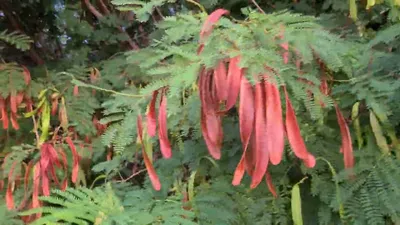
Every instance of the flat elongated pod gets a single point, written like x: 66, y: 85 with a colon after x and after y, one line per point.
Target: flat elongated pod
x: 212, y: 19
x: 274, y: 123
x: 294, y: 135
x: 260, y: 132
x: 246, y: 124
x: 220, y: 81
x: 149, y: 166
x: 151, y: 115
x: 235, y: 74
x: 211, y: 126
x: 270, y: 185
x: 347, y: 146
x: 165, y: 145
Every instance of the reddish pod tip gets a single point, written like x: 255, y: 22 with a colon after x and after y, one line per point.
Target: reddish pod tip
x: 347, y: 146
x: 165, y: 145
x: 274, y: 123
x: 246, y: 124
x: 294, y: 135
x: 151, y: 115
x: 261, y: 150
x: 155, y: 181
x: 210, y: 21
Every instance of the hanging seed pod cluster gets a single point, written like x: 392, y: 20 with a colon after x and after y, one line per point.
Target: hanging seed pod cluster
x: 162, y: 132
x: 15, y: 98
x: 263, y: 128
x: 44, y: 172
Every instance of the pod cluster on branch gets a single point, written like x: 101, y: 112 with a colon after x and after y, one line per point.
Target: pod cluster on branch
x: 263, y: 129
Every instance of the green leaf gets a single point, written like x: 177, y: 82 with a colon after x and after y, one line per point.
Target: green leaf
x: 356, y: 123
x: 296, y: 205
x: 144, y: 218
x: 353, y: 9
x: 380, y: 138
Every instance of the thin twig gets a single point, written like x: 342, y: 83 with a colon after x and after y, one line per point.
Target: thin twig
x: 35, y: 130
x: 198, y: 5
x: 131, y: 176
x: 258, y: 7
x: 160, y: 13
x: 104, y: 7
x: 114, y: 92
x: 99, y: 16
x: 56, y: 132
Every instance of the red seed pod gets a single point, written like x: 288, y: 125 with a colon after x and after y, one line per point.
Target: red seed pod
x: 270, y: 185
x: 262, y: 156
x: 347, y: 146
x: 3, y: 113
x: 294, y: 135
x: 151, y: 116
x: 20, y: 98
x: 27, y: 75
x: 26, y: 184
x: 165, y: 145
x: 75, y: 155
x: 274, y: 123
x: 9, y: 192
x: 220, y: 75
x: 250, y: 157
x: 234, y: 78
x: 211, y: 126
x: 54, y: 106
x: 285, y: 54
x: 210, y: 21
x: 36, y: 188
x: 14, y: 122
x: 155, y: 181
x: 246, y: 125
x: 13, y: 102
x: 9, y: 197
x: 76, y: 90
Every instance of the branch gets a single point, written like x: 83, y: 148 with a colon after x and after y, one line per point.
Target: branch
x: 99, y: 16
x: 258, y: 7
x: 93, y: 10
x: 131, y: 176
x: 104, y: 7
x: 160, y: 13
x: 14, y: 23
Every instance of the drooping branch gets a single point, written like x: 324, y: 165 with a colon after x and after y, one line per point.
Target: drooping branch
x: 99, y: 16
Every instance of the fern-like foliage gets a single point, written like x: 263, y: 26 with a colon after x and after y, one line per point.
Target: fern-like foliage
x: 20, y: 41
x: 107, y: 205
x: 9, y: 217
x: 386, y: 36
x: 368, y: 198
x: 79, y: 206
x: 143, y: 9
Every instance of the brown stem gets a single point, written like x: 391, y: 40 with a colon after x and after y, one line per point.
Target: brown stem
x: 93, y: 10
x: 258, y: 7
x: 143, y: 34
x: 14, y: 23
x: 104, y: 7
x: 160, y: 13
x: 99, y: 16
x: 131, y: 176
